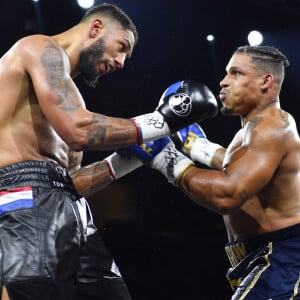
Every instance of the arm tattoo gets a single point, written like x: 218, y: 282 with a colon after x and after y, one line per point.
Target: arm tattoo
x: 100, y: 131
x: 109, y: 135
x: 116, y: 136
x: 53, y: 63
x: 98, y: 170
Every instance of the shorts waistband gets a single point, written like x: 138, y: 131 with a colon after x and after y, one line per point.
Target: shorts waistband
x: 239, y: 249
x: 35, y: 173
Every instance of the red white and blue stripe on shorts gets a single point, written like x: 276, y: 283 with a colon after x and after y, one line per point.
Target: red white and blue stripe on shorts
x: 15, y: 199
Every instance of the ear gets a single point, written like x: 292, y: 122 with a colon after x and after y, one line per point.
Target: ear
x: 95, y: 28
x: 267, y: 82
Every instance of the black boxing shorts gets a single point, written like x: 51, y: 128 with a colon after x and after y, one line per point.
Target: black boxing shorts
x: 49, y: 247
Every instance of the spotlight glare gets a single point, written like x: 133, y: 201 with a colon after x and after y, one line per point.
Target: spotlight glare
x: 210, y: 38
x: 85, y: 3
x: 255, y: 38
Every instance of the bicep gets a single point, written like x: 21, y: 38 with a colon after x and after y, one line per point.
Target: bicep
x: 55, y: 90
x: 248, y: 170
x: 252, y: 165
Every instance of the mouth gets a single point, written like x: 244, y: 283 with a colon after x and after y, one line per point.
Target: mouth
x: 104, y: 69
x: 108, y: 68
x: 223, y: 95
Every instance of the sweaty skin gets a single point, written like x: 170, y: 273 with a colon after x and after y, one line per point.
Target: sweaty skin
x: 43, y: 116
x: 256, y: 188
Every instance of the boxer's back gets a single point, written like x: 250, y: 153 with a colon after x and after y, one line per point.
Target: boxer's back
x: 25, y: 134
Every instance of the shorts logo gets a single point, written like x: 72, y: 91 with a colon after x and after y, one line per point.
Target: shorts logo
x: 58, y: 184
x: 16, y: 198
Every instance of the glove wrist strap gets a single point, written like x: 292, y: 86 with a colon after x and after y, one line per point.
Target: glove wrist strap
x: 171, y: 163
x: 203, y: 151
x: 151, y: 127
x: 119, y: 166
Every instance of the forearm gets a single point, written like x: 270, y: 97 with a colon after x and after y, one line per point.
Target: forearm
x: 181, y: 104
x: 91, y: 178
x: 99, y: 132
x: 204, y: 187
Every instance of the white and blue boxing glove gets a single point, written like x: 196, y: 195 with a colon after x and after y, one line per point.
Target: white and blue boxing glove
x: 161, y: 155
x: 192, y: 141
x: 182, y: 103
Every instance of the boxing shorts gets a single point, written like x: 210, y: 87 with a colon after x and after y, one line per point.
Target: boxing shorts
x: 49, y: 246
x: 266, y: 267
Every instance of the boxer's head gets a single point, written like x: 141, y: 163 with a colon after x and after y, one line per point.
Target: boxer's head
x: 112, y: 12
x: 113, y: 36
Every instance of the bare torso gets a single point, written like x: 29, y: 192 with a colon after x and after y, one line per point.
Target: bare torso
x: 43, y: 115
x: 255, y: 183
x: 278, y: 204
x: 25, y: 133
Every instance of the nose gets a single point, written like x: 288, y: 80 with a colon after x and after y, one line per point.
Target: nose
x: 120, y: 60
x: 224, y: 82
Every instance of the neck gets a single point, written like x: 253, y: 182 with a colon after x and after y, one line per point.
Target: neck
x: 253, y: 114
x: 71, y: 44
x: 272, y: 102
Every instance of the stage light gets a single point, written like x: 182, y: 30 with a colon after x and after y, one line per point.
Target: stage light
x: 210, y: 38
x: 35, y: 0
x: 255, y: 38
x: 85, y: 3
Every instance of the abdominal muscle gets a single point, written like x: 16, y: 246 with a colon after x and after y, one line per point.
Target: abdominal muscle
x: 27, y: 142
x: 25, y: 133
x: 252, y: 220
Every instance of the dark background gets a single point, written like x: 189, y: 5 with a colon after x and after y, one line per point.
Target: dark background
x: 166, y: 246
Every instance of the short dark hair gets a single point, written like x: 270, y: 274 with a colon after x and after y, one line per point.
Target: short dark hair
x: 267, y: 58
x: 114, y: 12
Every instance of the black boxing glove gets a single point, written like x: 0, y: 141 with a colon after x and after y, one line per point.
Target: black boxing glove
x: 182, y: 103
x: 186, y: 102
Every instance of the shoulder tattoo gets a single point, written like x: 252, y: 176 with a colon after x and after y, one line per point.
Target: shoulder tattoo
x: 54, y: 67
x: 284, y: 118
x: 255, y: 122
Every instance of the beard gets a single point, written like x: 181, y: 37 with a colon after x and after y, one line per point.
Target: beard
x: 88, y: 59
x: 225, y: 110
